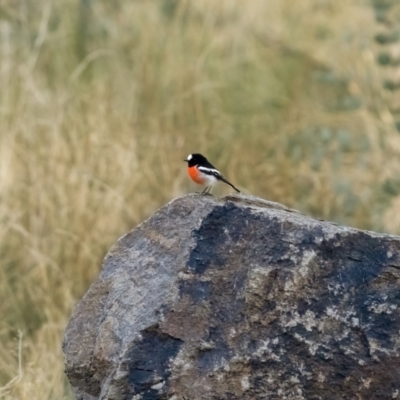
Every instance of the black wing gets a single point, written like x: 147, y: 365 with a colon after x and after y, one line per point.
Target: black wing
x: 207, y: 164
x: 210, y: 171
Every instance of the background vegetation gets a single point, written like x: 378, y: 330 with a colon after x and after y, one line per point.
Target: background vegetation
x: 101, y: 100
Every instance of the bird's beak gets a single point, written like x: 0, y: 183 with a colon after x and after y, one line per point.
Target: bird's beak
x: 186, y: 160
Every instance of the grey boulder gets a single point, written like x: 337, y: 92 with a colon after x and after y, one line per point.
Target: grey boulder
x: 239, y: 298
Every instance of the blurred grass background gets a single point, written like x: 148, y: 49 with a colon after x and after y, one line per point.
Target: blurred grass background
x: 100, y: 101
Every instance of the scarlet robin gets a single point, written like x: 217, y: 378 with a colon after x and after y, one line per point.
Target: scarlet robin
x: 204, y: 173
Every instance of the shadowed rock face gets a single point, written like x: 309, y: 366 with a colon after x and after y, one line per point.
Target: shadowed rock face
x: 239, y: 298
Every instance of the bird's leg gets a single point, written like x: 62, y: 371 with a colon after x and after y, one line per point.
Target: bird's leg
x: 206, y: 191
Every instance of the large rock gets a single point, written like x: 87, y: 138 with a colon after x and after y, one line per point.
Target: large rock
x: 239, y: 298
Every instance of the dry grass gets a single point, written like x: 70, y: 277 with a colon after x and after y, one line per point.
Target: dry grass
x: 100, y: 101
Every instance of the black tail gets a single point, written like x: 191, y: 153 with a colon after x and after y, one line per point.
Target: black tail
x: 221, y: 178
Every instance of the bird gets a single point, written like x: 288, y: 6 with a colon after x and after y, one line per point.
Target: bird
x: 204, y: 173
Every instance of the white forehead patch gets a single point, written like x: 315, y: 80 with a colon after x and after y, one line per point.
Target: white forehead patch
x: 189, y: 157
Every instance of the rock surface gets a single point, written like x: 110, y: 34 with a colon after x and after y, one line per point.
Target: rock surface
x: 239, y: 298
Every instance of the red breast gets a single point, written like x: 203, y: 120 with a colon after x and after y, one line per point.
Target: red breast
x: 195, y: 174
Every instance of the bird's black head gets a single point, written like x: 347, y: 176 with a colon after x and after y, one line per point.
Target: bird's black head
x: 195, y: 159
